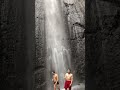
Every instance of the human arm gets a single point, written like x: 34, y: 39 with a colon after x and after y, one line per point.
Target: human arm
x: 65, y: 77
x: 71, y: 79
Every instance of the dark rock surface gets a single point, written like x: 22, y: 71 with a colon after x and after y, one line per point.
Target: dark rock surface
x: 12, y: 46
x: 102, y: 45
x: 16, y: 45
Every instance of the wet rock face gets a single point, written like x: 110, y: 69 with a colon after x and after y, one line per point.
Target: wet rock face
x: 75, y: 18
x: 40, y: 60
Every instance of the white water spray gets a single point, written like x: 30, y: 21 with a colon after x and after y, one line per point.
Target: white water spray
x: 58, y: 53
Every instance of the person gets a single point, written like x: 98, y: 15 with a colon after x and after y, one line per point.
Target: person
x: 68, y: 80
x: 55, y: 80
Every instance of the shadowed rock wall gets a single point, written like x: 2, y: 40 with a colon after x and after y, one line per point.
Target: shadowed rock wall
x: 12, y: 45
x: 102, y: 44
x: 16, y: 45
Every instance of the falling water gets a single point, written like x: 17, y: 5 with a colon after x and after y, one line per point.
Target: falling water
x: 58, y: 53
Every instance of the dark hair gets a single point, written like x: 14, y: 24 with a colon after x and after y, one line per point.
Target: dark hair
x: 53, y: 71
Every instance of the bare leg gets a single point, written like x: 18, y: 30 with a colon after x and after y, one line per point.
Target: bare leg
x: 69, y: 88
x: 54, y: 87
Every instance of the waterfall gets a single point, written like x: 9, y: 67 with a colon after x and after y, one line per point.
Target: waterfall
x: 58, y: 52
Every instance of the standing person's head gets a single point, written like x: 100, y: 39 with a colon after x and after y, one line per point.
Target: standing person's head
x: 69, y: 71
x: 53, y: 72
